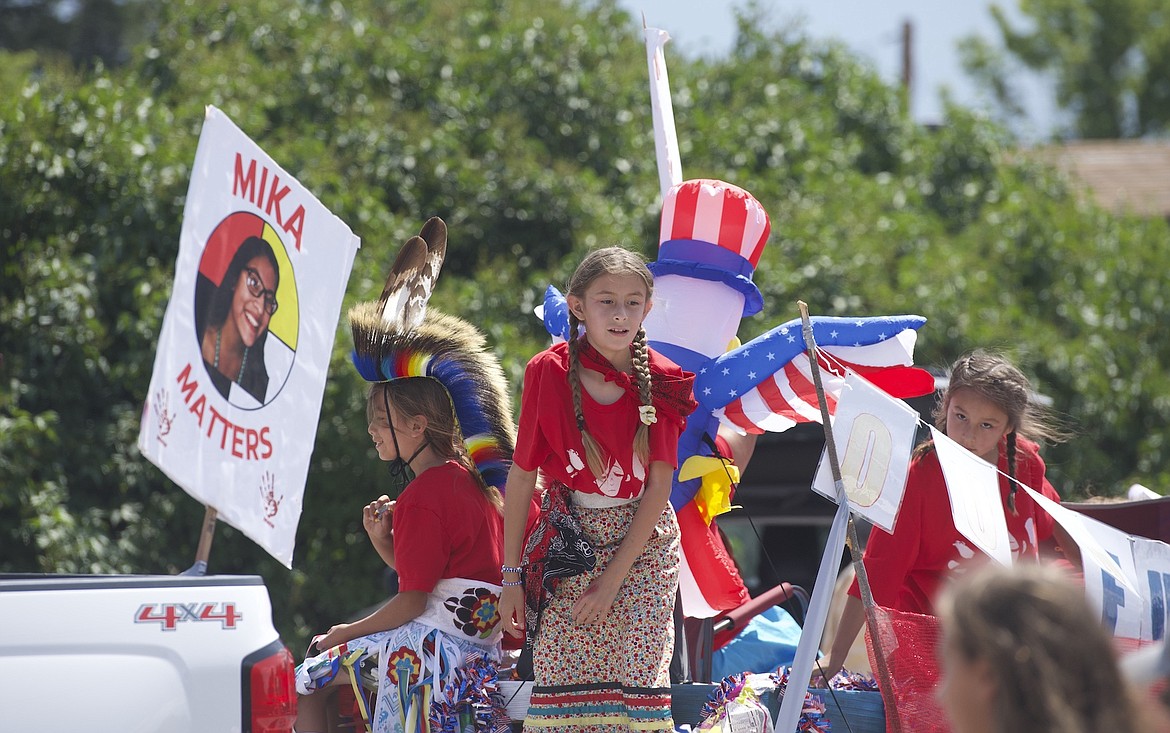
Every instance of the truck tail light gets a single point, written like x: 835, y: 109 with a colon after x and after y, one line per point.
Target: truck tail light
x: 269, y: 690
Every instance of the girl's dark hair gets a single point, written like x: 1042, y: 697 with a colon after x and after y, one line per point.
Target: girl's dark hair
x: 996, y: 379
x: 221, y: 299
x: 428, y: 397
x: 1053, y: 660
x: 620, y: 262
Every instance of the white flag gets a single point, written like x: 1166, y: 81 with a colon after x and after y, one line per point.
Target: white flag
x: 231, y: 414
x: 662, y: 110
x: 874, y: 436
x: 1107, y: 562
x: 973, y: 485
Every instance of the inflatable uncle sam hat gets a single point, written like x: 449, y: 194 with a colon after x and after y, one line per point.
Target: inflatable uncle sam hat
x: 711, y: 236
x: 713, y: 230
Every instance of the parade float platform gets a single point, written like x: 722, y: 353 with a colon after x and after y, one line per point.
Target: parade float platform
x: 863, y: 709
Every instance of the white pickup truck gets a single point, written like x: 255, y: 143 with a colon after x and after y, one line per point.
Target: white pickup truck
x: 144, y: 653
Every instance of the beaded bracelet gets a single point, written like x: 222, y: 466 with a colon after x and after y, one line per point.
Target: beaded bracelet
x: 511, y: 583
x: 509, y: 569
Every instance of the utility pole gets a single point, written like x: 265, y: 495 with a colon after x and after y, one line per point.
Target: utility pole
x: 907, y: 63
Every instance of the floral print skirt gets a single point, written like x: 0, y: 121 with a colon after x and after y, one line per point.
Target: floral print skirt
x: 613, y: 676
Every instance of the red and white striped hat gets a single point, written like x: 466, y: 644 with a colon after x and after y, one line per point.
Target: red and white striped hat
x: 713, y: 230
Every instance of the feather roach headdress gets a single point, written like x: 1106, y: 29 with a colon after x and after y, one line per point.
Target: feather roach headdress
x: 397, y: 336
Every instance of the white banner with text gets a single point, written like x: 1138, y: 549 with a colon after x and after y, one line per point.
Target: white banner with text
x: 235, y: 397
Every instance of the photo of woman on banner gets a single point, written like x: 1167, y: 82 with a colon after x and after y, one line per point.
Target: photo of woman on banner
x: 246, y: 310
x: 235, y: 326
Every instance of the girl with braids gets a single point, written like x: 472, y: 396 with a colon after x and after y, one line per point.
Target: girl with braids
x: 442, y: 534
x: 987, y: 408
x: 600, y: 419
x: 1023, y: 652
x: 439, y: 414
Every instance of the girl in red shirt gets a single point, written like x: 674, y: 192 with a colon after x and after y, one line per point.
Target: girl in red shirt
x: 443, y: 535
x: 600, y: 418
x: 439, y: 415
x: 987, y: 408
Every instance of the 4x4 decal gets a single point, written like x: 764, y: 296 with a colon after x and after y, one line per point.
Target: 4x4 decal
x: 170, y: 615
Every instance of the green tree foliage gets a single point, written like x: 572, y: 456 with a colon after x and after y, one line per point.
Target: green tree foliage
x: 85, y: 32
x: 1110, y: 60
x: 526, y: 126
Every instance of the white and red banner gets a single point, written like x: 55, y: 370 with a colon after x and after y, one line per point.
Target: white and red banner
x: 235, y: 396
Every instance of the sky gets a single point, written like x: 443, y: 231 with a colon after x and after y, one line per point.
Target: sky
x: 873, y: 30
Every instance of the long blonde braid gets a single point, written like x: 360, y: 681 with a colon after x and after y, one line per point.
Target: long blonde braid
x: 593, y: 452
x: 641, y: 362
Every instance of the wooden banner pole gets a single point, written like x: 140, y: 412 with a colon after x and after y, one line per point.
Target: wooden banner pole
x: 206, y: 535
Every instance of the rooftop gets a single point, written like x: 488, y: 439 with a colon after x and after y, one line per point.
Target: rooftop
x: 1124, y: 176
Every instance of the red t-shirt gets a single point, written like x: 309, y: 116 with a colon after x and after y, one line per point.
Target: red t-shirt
x: 907, y: 568
x: 444, y: 527
x: 548, y: 438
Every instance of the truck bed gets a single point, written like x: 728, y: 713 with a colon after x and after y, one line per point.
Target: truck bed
x: 132, y: 652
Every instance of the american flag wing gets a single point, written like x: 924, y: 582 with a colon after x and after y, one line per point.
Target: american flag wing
x: 767, y: 385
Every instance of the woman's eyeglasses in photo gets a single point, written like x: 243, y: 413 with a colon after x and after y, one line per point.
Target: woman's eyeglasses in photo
x: 257, y: 289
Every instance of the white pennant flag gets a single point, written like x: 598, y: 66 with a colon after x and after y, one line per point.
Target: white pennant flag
x: 1107, y: 562
x: 973, y: 485
x: 665, y: 137
x: 235, y: 397
x: 814, y: 623
x: 874, y: 435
